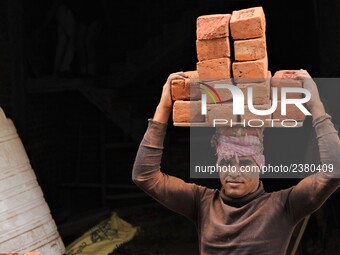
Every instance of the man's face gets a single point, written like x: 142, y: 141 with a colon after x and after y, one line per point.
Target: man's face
x: 239, y: 183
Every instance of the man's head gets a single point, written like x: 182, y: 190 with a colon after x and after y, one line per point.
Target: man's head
x: 240, y: 154
x: 242, y: 177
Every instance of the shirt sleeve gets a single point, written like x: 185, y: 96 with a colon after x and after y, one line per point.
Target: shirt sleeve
x: 311, y: 192
x: 170, y: 191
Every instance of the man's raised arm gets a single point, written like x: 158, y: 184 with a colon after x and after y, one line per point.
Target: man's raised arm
x: 310, y: 193
x: 170, y: 191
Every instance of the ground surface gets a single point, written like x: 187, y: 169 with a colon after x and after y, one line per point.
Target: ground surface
x: 161, y: 232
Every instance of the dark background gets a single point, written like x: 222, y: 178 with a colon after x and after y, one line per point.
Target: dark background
x: 81, y: 130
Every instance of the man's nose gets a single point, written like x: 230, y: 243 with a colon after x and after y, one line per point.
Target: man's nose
x: 234, y: 173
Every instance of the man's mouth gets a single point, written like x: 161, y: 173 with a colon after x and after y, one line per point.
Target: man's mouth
x: 234, y: 184
x: 234, y: 181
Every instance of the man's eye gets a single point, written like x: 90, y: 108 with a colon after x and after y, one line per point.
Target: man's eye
x: 226, y: 163
x: 245, y: 162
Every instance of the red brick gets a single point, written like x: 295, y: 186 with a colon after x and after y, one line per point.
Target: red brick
x: 250, y: 71
x: 252, y: 49
x: 215, y: 69
x: 214, y: 48
x: 249, y: 115
x: 292, y: 112
x: 224, y: 94
x: 191, y: 74
x: 285, y: 78
x: 187, y: 112
x: 248, y: 23
x: 185, y: 89
x: 180, y: 89
x: 217, y: 111
x: 261, y: 91
x: 213, y: 26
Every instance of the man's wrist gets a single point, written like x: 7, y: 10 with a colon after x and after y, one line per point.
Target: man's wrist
x: 164, y: 106
x: 162, y: 113
x: 317, y: 109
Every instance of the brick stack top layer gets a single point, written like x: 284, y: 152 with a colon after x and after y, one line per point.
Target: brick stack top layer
x: 213, y: 26
x: 247, y: 29
x: 213, y: 46
x: 248, y: 23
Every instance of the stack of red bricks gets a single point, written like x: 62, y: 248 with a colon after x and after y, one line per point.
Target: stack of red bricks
x: 248, y: 67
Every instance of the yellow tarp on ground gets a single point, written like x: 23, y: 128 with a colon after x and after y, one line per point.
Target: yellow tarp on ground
x: 103, y: 238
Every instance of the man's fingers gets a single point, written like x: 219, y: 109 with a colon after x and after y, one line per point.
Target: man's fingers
x: 177, y: 76
x: 302, y: 74
x: 183, y: 74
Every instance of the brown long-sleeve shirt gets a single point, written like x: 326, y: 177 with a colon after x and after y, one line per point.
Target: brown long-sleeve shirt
x: 258, y: 224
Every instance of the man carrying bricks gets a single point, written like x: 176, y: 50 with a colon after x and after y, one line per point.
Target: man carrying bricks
x: 240, y: 218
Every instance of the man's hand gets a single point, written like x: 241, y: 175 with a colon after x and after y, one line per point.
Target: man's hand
x: 166, y: 100
x: 314, y: 104
x: 164, y: 107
